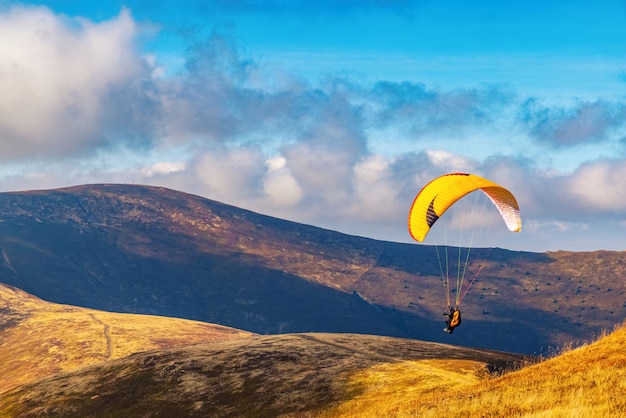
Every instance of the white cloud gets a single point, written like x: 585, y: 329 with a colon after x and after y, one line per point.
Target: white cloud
x: 163, y: 167
x: 66, y: 83
x: 280, y: 185
x: 450, y: 161
x: 376, y: 192
x: 600, y: 185
x: 231, y: 175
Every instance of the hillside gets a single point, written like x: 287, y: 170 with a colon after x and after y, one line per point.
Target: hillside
x: 150, y: 250
x: 39, y: 338
x: 264, y: 376
x: 585, y: 382
x: 294, y: 375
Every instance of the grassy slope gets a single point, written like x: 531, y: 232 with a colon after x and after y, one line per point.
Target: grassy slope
x: 389, y: 387
x: 338, y: 374
x: 39, y: 338
x: 294, y: 375
x: 585, y: 382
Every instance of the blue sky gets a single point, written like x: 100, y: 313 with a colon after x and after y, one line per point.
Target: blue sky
x: 330, y: 113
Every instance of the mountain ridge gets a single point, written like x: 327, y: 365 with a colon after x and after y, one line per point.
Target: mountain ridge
x: 152, y: 250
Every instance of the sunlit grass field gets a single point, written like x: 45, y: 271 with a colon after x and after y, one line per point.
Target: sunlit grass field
x: 589, y: 381
x: 52, y: 338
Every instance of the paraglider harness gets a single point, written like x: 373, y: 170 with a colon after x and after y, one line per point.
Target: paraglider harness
x: 453, y: 319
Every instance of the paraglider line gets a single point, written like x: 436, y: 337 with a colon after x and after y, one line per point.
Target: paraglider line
x: 444, y: 278
x: 473, y: 280
x: 461, y: 276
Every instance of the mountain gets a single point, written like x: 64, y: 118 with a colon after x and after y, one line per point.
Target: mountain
x: 150, y: 250
x: 39, y: 338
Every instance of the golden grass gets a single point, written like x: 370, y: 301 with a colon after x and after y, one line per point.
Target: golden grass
x: 51, y: 338
x: 587, y: 382
x: 390, y: 386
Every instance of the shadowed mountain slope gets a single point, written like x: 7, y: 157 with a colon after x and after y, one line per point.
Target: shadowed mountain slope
x: 151, y: 250
x: 265, y: 376
x: 39, y: 338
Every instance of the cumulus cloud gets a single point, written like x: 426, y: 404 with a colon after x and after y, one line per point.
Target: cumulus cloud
x: 450, y: 162
x: 600, y: 186
x: 375, y: 190
x: 163, y: 168
x: 232, y: 174
x: 71, y: 85
x: 280, y: 185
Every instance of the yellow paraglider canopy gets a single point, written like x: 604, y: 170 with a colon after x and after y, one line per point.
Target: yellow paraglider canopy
x: 441, y: 193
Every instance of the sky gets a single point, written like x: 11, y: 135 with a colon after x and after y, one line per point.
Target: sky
x: 333, y: 113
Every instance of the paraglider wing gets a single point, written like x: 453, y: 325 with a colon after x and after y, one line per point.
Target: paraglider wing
x: 441, y: 193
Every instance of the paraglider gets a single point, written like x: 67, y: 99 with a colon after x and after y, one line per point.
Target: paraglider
x: 453, y: 319
x: 434, y: 200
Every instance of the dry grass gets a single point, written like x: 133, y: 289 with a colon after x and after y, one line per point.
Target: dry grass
x: 46, y: 338
x: 390, y: 386
x: 290, y: 375
x: 341, y: 375
x: 587, y: 382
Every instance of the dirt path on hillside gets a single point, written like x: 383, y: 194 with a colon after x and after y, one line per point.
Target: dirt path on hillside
x: 107, y: 335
